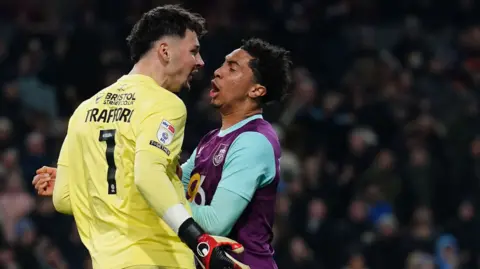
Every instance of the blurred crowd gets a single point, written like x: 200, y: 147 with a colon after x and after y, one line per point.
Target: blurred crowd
x: 380, y: 132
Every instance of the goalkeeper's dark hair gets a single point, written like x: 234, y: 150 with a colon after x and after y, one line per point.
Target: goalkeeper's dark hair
x: 271, y: 68
x: 167, y: 20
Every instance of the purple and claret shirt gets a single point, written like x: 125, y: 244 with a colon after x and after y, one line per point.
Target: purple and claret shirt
x: 253, y: 229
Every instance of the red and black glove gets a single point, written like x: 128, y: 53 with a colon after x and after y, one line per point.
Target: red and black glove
x: 211, y: 251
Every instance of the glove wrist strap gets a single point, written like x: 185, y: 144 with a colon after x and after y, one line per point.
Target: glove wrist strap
x: 189, y: 232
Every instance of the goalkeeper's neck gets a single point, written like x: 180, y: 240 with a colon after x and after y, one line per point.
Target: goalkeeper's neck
x: 152, y: 69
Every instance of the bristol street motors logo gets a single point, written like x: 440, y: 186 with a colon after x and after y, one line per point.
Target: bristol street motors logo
x: 219, y: 155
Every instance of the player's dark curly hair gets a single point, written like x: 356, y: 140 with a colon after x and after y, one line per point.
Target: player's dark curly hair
x: 167, y: 20
x: 271, y: 68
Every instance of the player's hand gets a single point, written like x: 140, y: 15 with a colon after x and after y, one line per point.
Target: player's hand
x: 212, y: 252
x: 44, y: 181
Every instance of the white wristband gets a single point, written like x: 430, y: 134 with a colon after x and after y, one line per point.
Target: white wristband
x: 175, y: 216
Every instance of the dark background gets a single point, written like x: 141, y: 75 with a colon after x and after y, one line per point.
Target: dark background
x: 380, y: 134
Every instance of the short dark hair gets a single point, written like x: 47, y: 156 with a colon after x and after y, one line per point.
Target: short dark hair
x: 271, y: 68
x: 167, y: 20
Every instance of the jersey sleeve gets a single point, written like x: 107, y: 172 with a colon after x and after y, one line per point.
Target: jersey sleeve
x: 66, y: 151
x: 61, y: 191
x: 159, y: 139
x: 161, y: 132
x: 218, y: 218
x: 63, y: 156
x: 249, y: 164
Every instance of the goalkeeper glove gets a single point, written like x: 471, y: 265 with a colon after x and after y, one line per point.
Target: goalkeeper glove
x: 210, y: 251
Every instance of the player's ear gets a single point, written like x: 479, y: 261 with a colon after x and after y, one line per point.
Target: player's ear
x: 163, y: 52
x: 257, y: 91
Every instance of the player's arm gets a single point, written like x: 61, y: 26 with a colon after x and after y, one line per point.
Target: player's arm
x: 187, y: 168
x: 157, y: 145
x: 61, y: 191
x: 249, y: 165
x: 159, y: 138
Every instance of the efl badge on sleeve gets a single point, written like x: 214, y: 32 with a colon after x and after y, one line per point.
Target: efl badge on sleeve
x: 167, y: 125
x: 165, y: 133
x: 219, y: 155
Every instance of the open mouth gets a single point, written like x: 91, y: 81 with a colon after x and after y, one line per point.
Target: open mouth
x: 214, y: 90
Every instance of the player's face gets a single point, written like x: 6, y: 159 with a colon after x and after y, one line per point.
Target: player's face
x: 184, y: 61
x: 234, y: 83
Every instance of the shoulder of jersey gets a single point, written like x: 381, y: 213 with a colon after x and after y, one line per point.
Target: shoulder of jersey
x: 96, y: 98
x: 83, y: 105
x: 145, y: 91
x: 158, y: 98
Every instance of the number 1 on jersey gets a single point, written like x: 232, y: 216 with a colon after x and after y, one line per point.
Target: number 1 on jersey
x: 108, y: 136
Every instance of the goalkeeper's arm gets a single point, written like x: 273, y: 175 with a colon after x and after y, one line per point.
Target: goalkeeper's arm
x: 61, y: 192
x: 170, y: 209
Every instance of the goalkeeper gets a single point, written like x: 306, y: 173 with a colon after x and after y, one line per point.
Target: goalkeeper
x: 232, y: 176
x: 117, y: 166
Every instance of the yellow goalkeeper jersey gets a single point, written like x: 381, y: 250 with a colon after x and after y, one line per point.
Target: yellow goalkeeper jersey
x: 114, y: 221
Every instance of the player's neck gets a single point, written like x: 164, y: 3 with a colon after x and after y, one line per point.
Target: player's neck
x: 143, y: 67
x: 231, y: 118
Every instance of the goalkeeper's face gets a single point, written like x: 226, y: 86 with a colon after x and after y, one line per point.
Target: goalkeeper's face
x: 183, y: 60
x: 234, y: 87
